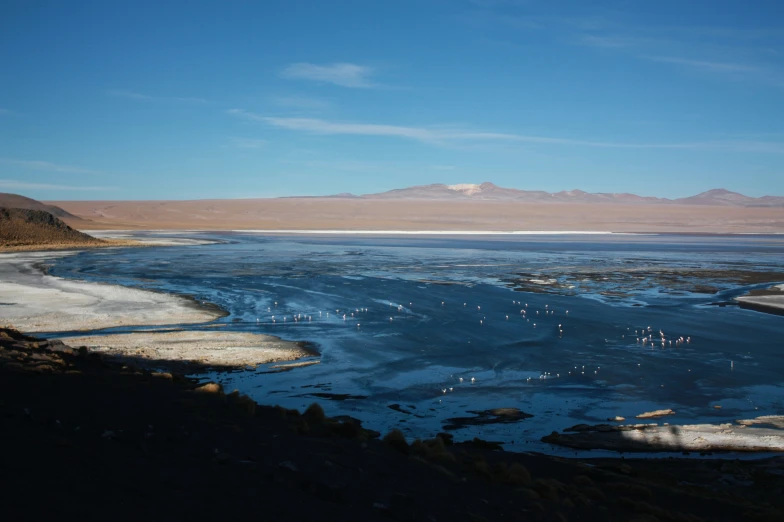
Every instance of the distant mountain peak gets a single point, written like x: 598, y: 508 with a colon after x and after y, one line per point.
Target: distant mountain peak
x: 490, y: 192
x: 469, y: 189
x: 718, y: 192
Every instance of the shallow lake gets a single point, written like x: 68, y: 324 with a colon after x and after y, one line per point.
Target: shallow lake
x: 415, y: 332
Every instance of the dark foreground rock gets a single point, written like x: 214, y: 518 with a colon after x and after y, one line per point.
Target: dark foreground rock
x: 85, y: 438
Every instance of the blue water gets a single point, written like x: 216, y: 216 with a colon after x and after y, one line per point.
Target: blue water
x: 422, y: 313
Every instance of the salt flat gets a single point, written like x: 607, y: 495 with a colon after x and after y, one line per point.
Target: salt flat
x: 33, y: 301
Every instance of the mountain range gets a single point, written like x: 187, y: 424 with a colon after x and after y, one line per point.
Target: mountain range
x: 488, y: 191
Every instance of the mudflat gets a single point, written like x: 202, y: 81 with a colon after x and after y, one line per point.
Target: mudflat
x: 362, y: 214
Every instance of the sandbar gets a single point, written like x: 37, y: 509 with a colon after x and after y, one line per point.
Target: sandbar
x: 772, y: 304
x: 208, y: 349
x: 763, y: 434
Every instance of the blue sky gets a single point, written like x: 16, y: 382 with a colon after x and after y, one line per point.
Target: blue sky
x: 185, y: 100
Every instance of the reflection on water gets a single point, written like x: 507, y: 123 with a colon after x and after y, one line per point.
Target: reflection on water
x: 418, y: 332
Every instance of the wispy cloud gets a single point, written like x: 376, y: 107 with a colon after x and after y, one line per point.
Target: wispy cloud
x: 295, y: 101
x: 25, y: 185
x: 132, y: 95
x: 46, y: 165
x: 343, y: 74
x: 4, y: 111
x: 703, y: 65
x: 121, y: 93
x: 736, y: 53
x: 248, y: 143
x: 443, y: 135
x: 606, y: 42
x: 733, y: 53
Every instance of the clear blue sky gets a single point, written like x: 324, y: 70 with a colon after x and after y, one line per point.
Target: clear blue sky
x: 181, y: 100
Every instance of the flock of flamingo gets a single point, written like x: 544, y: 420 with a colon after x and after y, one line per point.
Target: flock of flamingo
x: 645, y: 336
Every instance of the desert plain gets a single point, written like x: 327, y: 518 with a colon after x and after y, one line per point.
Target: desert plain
x: 291, y: 214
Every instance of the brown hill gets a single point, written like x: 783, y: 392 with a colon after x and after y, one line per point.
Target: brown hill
x: 17, y: 201
x: 21, y: 227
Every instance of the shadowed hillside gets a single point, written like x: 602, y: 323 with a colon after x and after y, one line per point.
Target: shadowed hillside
x: 88, y: 434
x: 24, y: 227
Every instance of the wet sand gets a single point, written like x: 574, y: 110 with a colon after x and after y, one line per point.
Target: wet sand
x: 183, y: 349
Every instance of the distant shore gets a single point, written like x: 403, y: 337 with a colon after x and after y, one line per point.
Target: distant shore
x: 382, y: 215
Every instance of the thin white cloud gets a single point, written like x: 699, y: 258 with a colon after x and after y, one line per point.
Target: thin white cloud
x: 4, y: 111
x: 46, y: 165
x: 132, y: 95
x: 248, y: 143
x: 443, y: 167
x: 24, y: 185
x: 189, y: 99
x: 443, y: 135
x: 705, y: 65
x: 121, y: 93
x: 343, y: 74
x: 606, y: 42
x: 301, y: 102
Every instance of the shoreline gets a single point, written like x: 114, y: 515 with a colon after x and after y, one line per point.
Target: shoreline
x: 66, y: 247
x: 759, y: 435
x: 128, y: 232
x: 194, y: 351
x: 34, y: 301
x: 39, y: 302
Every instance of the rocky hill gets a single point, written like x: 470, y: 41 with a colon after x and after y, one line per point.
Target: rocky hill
x: 21, y: 227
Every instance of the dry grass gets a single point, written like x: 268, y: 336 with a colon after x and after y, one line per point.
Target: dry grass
x: 35, y: 247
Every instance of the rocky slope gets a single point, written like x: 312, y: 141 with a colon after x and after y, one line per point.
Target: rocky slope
x: 87, y: 437
x: 25, y: 227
